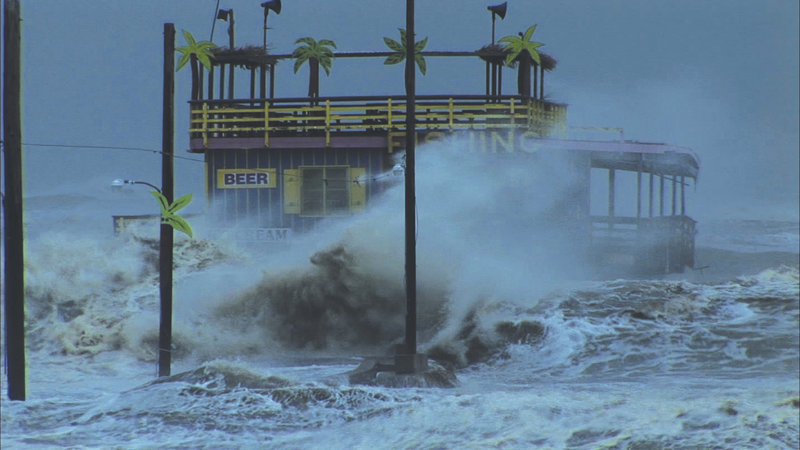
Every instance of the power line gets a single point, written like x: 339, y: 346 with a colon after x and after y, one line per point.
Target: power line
x: 108, y: 147
x: 356, y: 181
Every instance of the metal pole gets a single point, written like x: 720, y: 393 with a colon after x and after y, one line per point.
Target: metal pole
x: 411, y: 206
x: 14, y: 311
x: 167, y: 188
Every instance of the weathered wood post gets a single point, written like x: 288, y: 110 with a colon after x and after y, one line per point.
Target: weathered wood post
x: 167, y: 189
x: 14, y: 311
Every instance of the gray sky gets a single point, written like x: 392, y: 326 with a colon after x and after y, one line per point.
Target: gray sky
x: 719, y: 76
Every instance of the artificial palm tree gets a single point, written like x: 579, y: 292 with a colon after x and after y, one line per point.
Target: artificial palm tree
x: 522, y: 49
x: 399, y: 49
x: 195, y: 51
x: 317, y: 54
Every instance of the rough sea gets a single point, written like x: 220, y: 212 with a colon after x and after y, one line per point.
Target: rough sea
x: 547, y: 355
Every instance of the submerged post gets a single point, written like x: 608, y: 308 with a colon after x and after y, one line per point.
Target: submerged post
x: 14, y: 307
x: 167, y: 189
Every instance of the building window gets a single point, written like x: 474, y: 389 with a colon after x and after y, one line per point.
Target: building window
x: 324, y: 191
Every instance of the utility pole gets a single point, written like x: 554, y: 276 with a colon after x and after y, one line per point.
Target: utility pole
x: 167, y: 189
x: 410, y: 361
x: 14, y: 312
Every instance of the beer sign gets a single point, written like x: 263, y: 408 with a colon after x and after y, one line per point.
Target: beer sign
x: 245, y: 178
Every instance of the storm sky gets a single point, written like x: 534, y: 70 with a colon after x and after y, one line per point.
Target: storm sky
x: 718, y: 76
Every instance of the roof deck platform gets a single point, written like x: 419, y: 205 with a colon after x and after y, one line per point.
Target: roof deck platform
x: 378, y: 122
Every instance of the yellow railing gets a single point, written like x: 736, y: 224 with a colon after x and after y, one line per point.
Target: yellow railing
x: 373, y: 115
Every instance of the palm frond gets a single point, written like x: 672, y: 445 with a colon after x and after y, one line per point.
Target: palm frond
x: 299, y: 63
x: 420, y: 45
x: 184, y: 59
x: 529, y: 33
x: 420, y: 62
x: 394, y: 45
x: 395, y: 58
x: 306, y: 40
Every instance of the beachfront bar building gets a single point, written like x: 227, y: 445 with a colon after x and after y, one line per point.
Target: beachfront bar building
x: 279, y: 166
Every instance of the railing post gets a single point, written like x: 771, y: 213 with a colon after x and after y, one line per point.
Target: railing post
x: 205, y: 124
x: 327, y: 123
x: 530, y: 113
x: 266, y: 124
x: 450, y: 112
x: 389, y: 115
x: 512, y: 112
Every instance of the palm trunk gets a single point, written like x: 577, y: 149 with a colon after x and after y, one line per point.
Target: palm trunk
x: 313, y: 79
x: 195, y: 78
x: 524, y: 77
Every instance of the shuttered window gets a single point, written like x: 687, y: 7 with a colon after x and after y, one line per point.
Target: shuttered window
x: 319, y: 191
x: 324, y: 191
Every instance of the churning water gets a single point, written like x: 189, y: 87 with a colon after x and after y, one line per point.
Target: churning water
x: 545, y: 357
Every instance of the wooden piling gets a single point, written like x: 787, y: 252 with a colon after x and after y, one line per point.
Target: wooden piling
x: 611, y: 195
x: 673, y: 194
x: 650, y: 199
x: 683, y: 195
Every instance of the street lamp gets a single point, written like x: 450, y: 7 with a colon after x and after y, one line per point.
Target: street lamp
x: 118, y: 183
x: 274, y: 5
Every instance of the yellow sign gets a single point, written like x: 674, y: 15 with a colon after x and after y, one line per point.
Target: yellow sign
x: 245, y: 178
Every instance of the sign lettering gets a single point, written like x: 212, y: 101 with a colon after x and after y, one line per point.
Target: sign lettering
x: 245, y: 178
x: 476, y: 141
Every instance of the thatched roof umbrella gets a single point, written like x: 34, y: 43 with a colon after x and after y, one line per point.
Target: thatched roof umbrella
x: 495, y: 54
x: 250, y: 57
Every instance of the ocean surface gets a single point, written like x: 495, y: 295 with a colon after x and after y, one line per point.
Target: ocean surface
x: 264, y: 334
